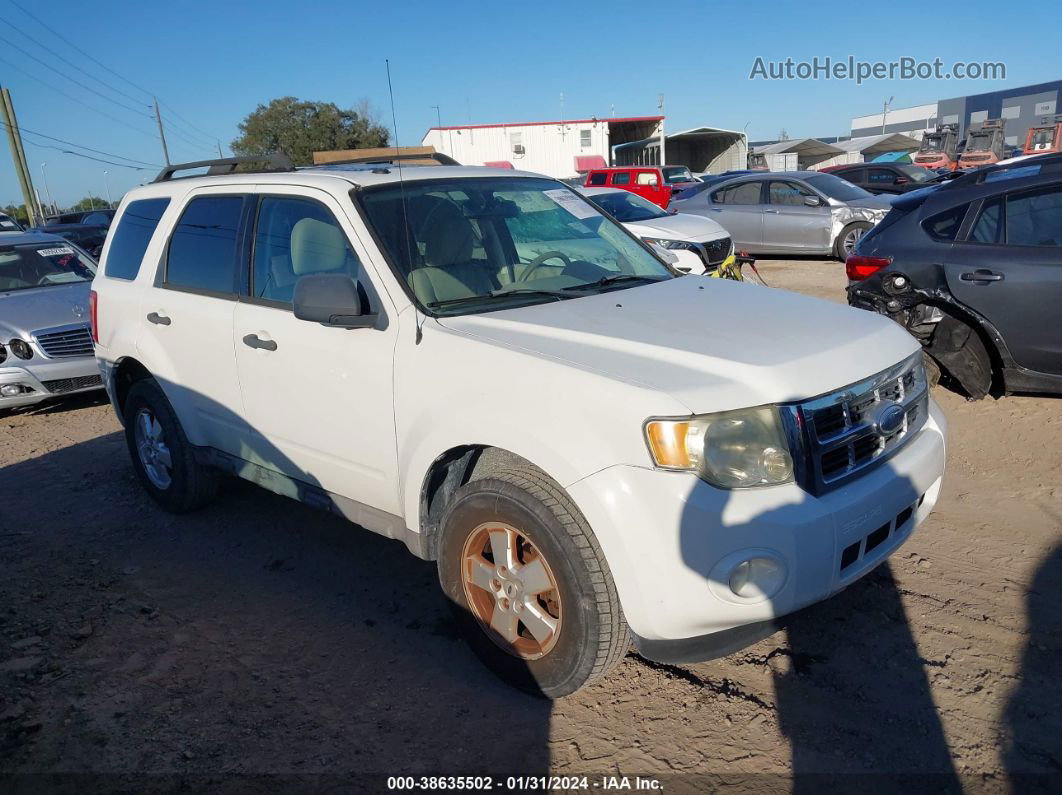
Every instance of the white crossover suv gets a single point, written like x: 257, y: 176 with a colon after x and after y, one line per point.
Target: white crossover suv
x: 594, y: 448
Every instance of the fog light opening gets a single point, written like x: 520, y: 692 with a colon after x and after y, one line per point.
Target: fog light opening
x: 13, y: 390
x: 756, y: 578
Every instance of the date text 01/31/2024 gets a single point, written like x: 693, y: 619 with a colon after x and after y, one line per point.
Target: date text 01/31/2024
x: 524, y: 783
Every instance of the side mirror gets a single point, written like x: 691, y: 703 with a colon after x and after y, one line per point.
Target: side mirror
x: 331, y: 299
x: 812, y: 201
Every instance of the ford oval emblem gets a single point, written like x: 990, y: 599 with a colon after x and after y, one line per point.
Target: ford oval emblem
x: 890, y: 418
x: 78, y: 310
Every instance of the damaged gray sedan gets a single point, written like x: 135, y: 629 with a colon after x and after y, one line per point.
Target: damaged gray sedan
x: 788, y: 212
x: 46, y: 347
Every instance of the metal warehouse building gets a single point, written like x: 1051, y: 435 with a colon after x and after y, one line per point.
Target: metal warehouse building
x: 566, y: 148
x: 1019, y: 108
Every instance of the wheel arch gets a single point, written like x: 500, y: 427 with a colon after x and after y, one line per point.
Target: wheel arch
x: 127, y: 372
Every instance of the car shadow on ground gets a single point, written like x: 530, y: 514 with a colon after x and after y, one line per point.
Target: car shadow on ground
x: 60, y: 405
x: 254, y: 636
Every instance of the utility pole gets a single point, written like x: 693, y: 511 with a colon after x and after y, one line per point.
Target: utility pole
x: 219, y: 150
x: 47, y: 189
x: 885, y: 112
x: 663, y: 138
x: 162, y: 134
x: 107, y: 187
x: 34, y: 211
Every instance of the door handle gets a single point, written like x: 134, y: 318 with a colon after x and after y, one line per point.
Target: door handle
x: 254, y: 341
x: 981, y: 275
x: 157, y: 319
x: 772, y: 212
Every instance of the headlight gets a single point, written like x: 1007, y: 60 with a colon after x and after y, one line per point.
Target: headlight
x: 659, y: 241
x: 731, y: 449
x: 664, y: 254
x: 21, y: 349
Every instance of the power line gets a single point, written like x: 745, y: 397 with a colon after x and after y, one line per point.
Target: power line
x: 65, y: 39
x: 187, y: 123
x: 87, y: 157
x: 51, y: 51
x: 47, y: 65
x: 82, y: 146
x: 75, y: 99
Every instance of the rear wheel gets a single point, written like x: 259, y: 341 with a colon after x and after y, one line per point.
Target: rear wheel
x: 849, y: 237
x: 163, y: 459
x: 529, y: 585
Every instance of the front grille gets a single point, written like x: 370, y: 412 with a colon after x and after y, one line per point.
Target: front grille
x: 894, y: 527
x: 60, y: 385
x: 840, y: 431
x: 65, y: 341
x: 715, y: 251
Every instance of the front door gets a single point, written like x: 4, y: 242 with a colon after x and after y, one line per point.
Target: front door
x: 318, y: 398
x: 1009, y: 269
x: 789, y: 224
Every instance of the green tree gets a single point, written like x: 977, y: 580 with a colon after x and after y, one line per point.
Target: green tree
x: 90, y: 203
x: 17, y: 212
x: 298, y: 129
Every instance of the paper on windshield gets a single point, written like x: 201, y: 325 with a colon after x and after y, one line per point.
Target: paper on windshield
x: 572, y: 203
x: 55, y: 252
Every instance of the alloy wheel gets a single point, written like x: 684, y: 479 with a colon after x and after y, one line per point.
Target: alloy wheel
x: 152, y: 449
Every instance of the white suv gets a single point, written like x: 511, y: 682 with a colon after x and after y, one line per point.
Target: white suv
x: 481, y: 364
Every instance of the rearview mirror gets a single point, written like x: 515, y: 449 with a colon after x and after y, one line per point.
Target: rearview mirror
x: 331, y: 299
x: 812, y: 201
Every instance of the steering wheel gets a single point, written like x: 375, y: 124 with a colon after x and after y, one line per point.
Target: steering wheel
x: 537, y: 262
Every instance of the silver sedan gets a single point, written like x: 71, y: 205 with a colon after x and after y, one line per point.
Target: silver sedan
x: 787, y: 212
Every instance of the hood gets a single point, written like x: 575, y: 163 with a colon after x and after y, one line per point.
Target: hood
x: 711, y: 344
x: 880, y: 202
x: 681, y: 226
x: 23, y: 312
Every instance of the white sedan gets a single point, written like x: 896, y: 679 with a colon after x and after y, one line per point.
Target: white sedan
x: 699, y: 245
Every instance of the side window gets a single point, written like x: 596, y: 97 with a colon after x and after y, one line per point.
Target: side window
x: 745, y: 193
x: 787, y: 193
x: 648, y: 178
x: 131, y: 237
x: 96, y: 219
x: 1035, y: 219
x: 989, y: 227
x: 852, y: 175
x: 880, y: 176
x: 202, y: 251
x: 621, y: 178
x: 584, y: 139
x: 945, y: 225
x: 293, y: 238
x: 599, y: 178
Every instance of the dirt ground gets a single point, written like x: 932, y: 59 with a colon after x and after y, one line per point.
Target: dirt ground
x: 257, y: 636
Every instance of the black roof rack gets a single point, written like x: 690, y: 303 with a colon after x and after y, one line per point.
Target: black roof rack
x: 277, y: 161
x: 438, y: 157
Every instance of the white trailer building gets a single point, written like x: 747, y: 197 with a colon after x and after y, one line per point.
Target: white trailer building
x: 555, y: 148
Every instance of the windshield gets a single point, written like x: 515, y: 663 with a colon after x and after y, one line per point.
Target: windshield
x: 979, y: 142
x: 1042, y: 136
x: 932, y: 143
x: 673, y: 174
x: 7, y: 224
x: 916, y: 173
x: 627, y: 207
x: 482, y: 244
x: 43, y: 265
x: 837, y: 188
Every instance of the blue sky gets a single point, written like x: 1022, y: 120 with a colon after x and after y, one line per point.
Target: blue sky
x: 211, y: 63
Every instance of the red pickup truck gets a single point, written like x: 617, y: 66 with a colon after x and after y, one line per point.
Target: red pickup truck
x: 654, y: 183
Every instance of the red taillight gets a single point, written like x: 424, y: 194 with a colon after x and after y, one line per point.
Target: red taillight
x: 859, y: 268
x: 93, y: 304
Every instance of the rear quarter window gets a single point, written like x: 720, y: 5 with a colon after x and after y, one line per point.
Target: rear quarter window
x: 130, y: 239
x: 945, y: 225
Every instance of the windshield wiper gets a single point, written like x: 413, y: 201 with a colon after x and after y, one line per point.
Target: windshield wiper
x: 615, y: 278
x: 500, y: 293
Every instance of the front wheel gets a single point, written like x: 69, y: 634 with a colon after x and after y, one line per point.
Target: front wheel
x: 849, y: 237
x: 529, y: 584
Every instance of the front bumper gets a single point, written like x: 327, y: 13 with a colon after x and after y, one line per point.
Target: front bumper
x: 672, y: 541
x: 42, y: 379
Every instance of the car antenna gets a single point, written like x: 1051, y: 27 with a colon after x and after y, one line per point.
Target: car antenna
x: 402, y: 193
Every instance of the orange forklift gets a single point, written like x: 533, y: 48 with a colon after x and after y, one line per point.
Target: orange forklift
x: 938, y: 148
x: 1044, y: 139
x: 983, y: 146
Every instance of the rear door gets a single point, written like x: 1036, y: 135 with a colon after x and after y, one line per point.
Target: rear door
x: 1009, y: 269
x: 857, y: 176
x: 318, y: 398
x: 885, y: 180
x: 791, y: 225
x: 186, y: 317
x: 738, y: 208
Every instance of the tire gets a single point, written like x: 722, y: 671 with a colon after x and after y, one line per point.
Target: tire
x: 182, y: 485
x: 591, y: 635
x: 852, y: 232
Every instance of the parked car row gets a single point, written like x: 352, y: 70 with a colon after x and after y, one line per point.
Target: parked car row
x: 973, y: 269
